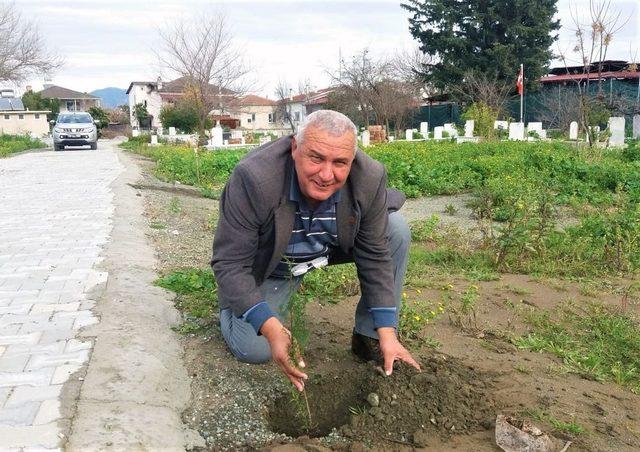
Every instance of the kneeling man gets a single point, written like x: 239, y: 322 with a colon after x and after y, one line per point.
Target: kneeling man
x: 296, y: 204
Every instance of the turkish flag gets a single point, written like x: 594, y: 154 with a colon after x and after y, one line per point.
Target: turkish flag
x: 520, y: 82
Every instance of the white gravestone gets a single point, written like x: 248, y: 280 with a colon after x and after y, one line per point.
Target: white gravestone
x: 616, y: 126
x: 159, y: 131
x: 535, y: 127
x: 216, y: 136
x: 366, y: 138
x: 391, y: 138
x: 135, y: 133
x: 573, y: 130
x: 451, y: 129
x: 437, y: 132
x: 408, y: 134
x: 543, y: 134
x: 501, y: 125
x: 468, y: 128
x: 154, y: 140
x: 516, y: 131
x: 424, y: 129
x: 172, y: 130
x: 636, y: 126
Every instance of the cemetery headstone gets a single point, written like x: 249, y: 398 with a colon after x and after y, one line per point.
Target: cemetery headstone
x: 573, y: 130
x: 216, y: 136
x: 636, y: 126
x: 365, y: 138
x: 408, y: 134
x: 516, y: 131
x: 172, y: 131
x: 424, y: 129
x: 616, y: 127
x: 159, y: 131
x: 135, y: 133
x: 534, y: 127
x: 437, y: 132
x: 154, y: 139
x: 468, y: 128
x: 451, y: 129
x: 501, y: 125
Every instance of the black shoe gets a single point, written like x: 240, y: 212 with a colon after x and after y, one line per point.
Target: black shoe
x: 366, y: 348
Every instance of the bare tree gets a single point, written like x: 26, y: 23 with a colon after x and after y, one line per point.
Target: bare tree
x: 369, y: 89
x: 481, y: 88
x: 409, y: 66
x: 283, y: 97
x: 22, y: 49
x: 592, y: 45
x: 201, y: 50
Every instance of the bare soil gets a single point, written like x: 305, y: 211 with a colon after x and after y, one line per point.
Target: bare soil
x: 472, y: 377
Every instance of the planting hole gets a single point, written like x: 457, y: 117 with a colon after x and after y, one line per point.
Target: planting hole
x: 331, y: 397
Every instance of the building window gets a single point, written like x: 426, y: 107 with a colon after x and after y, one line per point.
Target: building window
x: 70, y: 105
x: 37, y: 115
x: 248, y: 120
x: 296, y: 116
x: 6, y: 116
x: 253, y: 117
x: 20, y: 116
x: 145, y: 103
x: 271, y: 117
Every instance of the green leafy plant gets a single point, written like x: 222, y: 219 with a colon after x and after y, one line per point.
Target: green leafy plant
x: 10, y: 144
x: 594, y: 341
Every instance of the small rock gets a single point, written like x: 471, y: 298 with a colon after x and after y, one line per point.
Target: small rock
x: 420, y: 438
x: 373, y: 399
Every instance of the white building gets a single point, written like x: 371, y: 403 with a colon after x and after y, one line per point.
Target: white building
x: 15, y: 120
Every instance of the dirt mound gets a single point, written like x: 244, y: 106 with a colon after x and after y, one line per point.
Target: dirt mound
x: 446, y: 398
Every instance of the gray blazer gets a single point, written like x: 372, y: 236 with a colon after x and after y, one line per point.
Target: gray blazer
x: 256, y: 219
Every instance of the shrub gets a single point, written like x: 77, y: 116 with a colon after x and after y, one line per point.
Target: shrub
x: 484, y: 117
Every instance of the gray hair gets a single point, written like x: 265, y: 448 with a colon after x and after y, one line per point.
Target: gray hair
x: 334, y: 123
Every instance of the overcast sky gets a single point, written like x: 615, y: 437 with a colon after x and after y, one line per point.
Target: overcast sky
x: 111, y: 43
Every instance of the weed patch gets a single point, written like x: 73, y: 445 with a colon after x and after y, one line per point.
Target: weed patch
x: 196, y: 292
x: 10, y: 144
x: 596, y: 342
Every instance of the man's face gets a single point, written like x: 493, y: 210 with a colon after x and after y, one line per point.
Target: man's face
x: 323, y: 163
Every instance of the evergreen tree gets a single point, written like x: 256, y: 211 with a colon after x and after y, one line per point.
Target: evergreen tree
x: 491, y: 37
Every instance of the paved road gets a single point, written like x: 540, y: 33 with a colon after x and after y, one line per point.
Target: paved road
x: 55, y: 217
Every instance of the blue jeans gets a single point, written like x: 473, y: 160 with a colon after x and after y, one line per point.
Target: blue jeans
x: 248, y: 347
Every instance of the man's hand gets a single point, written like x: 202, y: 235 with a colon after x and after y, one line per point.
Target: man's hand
x: 280, y: 341
x: 392, y: 350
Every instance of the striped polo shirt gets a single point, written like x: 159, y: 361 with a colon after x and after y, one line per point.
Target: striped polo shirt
x: 313, y: 235
x: 314, y: 230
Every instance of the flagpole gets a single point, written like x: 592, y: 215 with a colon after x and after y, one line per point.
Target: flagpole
x: 522, y: 94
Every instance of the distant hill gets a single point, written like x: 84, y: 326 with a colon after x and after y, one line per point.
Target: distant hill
x: 111, y: 97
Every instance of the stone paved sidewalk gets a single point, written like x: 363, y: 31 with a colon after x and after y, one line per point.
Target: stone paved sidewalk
x: 55, y: 217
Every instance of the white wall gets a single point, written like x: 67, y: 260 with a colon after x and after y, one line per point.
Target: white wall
x: 24, y: 123
x: 141, y: 94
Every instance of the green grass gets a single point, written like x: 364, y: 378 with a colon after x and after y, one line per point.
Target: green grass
x: 204, y: 169
x: 10, y: 144
x: 573, y: 427
x: 196, y: 292
x: 595, y: 342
